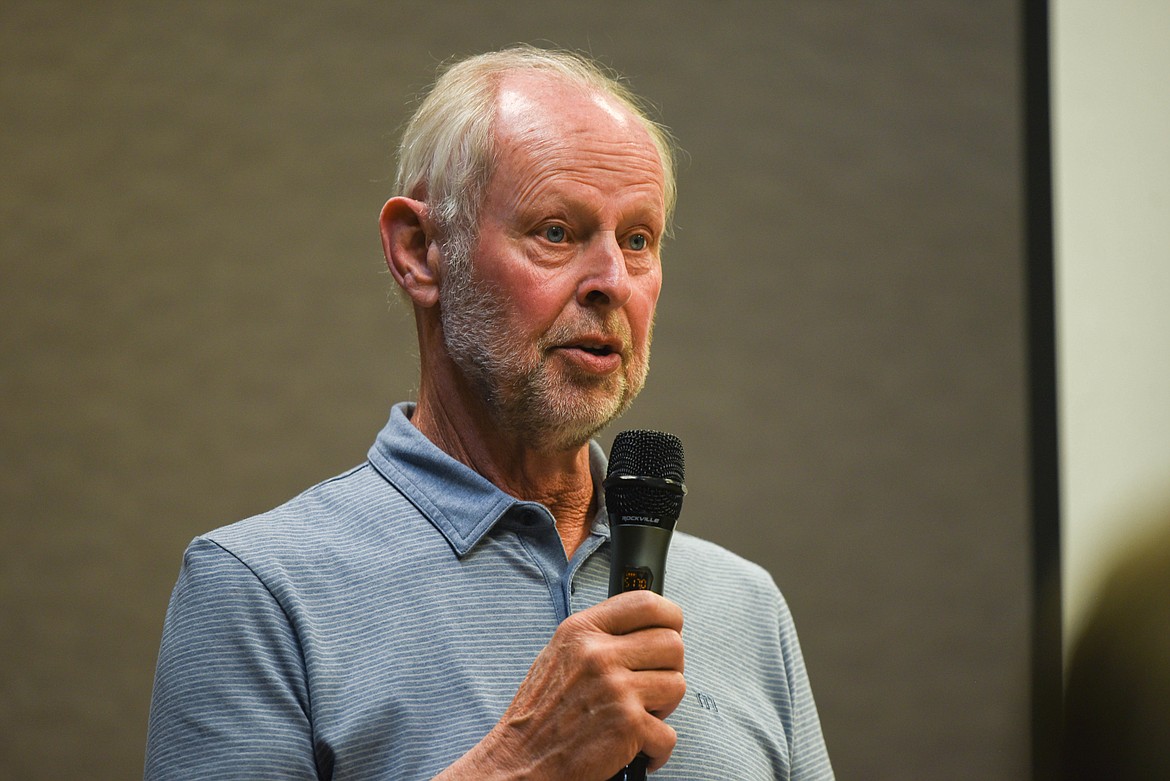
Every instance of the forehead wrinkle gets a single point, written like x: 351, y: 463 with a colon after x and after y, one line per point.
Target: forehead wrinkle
x: 539, y: 148
x: 643, y: 176
x: 548, y: 165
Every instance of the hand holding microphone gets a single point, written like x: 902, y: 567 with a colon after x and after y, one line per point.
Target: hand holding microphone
x: 599, y: 691
x: 593, y: 697
x: 644, y: 492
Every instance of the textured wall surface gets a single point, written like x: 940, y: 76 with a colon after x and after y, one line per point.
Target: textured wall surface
x: 195, y: 324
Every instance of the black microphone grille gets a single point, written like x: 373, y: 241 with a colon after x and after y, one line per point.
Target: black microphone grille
x: 645, y: 476
x: 647, y: 453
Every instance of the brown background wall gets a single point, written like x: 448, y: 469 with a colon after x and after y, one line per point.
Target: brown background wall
x: 195, y: 324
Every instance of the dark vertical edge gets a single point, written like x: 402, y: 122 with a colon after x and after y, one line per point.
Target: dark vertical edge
x: 1046, y: 661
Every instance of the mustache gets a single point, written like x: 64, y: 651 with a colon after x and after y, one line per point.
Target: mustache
x: 587, y: 324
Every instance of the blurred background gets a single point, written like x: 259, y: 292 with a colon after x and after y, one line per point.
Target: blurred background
x: 196, y: 324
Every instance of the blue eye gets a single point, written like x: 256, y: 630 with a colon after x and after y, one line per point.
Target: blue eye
x: 638, y: 242
x: 555, y: 233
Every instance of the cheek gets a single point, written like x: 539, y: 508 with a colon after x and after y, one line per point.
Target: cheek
x: 642, y: 307
x: 535, y: 306
x: 530, y: 300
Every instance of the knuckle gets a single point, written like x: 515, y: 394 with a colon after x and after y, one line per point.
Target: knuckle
x: 680, y: 659
x: 594, y: 655
x: 671, y: 649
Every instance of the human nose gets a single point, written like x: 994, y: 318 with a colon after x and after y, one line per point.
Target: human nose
x: 605, y: 282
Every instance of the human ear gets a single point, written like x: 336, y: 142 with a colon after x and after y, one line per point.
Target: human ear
x: 411, y: 249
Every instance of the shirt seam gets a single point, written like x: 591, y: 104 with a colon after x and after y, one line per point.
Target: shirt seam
x: 284, y: 611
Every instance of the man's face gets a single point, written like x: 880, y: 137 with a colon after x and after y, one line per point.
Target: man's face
x: 552, y: 325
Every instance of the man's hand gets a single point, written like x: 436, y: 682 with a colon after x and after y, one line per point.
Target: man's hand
x: 594, y: 698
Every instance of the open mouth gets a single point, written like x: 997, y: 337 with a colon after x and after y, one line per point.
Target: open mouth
x: 604, y: 350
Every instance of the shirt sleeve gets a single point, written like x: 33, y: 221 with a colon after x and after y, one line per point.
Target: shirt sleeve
x: 230, y: 695
x: 808, y: 754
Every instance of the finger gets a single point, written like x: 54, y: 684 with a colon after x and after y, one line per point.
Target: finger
x: 631, y: 611
x: 656, y: 648
x: 659, y: 742
x: 658, y: 691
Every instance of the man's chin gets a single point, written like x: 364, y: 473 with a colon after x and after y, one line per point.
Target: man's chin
x: 569, y: 423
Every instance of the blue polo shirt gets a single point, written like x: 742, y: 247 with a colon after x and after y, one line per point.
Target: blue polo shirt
x: 378, y: 625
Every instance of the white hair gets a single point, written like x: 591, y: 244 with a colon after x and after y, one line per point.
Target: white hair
x: 447, y: 153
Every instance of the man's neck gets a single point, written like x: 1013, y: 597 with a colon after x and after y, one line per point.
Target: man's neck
x: 560, y: 480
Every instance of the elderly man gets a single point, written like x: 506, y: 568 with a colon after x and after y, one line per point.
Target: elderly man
x: 440, y: 610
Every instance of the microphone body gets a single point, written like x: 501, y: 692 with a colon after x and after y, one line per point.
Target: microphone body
x: 639, y: 556
x: 643, y: 496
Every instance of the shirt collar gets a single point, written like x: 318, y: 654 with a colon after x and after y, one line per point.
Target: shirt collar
x: 461, y: 503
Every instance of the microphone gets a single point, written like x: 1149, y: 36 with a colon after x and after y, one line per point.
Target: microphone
x: 643, y: 496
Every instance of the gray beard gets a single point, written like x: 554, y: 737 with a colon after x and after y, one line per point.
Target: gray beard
x: 524, y: 396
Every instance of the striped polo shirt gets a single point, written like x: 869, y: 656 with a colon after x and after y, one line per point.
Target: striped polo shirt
x: 378, y: 625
